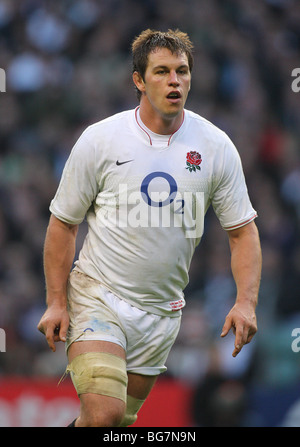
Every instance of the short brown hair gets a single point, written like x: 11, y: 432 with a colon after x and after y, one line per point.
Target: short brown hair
x: 174, y: 40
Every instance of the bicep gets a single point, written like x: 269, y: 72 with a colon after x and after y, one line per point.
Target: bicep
x: 230, y: 199
x: 244, y: 245
x: 59, y: 226
x: 248, y: 231
x: 78, y: 186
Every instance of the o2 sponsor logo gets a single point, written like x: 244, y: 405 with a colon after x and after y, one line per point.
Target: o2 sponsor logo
x: 156, y: 202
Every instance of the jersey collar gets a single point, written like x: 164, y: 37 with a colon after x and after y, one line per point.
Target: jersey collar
x: 145, y: 130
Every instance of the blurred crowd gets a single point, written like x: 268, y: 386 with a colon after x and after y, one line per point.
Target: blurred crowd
x: 68, y: 64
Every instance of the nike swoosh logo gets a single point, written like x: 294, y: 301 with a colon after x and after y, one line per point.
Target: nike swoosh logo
x: 119, y: 163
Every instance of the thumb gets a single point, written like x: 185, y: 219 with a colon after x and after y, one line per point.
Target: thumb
x: 63, y: 329
x: 226, y: 327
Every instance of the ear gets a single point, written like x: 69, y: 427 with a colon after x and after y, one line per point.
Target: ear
x: 138, y: 81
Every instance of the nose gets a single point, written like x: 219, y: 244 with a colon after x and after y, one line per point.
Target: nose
x: 173, y: 79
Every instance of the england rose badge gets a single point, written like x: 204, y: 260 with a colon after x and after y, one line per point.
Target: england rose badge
x: 193, y: 161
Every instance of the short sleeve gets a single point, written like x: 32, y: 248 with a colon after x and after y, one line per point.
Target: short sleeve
x: 230, y: 199
x: 78, y: 186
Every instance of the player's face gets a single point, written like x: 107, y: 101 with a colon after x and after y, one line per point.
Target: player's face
x: 166, y: 83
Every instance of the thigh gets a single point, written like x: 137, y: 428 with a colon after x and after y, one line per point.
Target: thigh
x: 139, y: 386
x: 98, y: 409
x: 91, y: 312
x: 150, y: 339
x: 80, y: 347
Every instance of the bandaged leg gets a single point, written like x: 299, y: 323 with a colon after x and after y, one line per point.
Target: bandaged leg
x: 132, y: 408
x: 99, y: 373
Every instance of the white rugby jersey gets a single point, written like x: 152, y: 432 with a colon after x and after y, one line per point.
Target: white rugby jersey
x: 145, y: 197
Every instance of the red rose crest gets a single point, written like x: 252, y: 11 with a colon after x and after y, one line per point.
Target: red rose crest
x: 193, y: 161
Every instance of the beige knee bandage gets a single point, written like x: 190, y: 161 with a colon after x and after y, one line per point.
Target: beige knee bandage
x: 132, y: 408
x: 99, y: 373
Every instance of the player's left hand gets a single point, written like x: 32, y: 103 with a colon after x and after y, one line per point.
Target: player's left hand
x: 242, y: 320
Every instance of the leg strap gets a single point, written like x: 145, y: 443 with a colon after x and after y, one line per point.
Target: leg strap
x: 99, y: 373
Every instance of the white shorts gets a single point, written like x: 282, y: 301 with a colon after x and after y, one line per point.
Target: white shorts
x: 97, y: 314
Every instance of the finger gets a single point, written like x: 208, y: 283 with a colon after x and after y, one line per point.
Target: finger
x: 226, y: 328
x: 50, y: 337
x: 236, y: 351
x: 237, y: 348
x: 56, y: 334
x: 240, y: 340
x: 249, y: 338
x: 40, y: 327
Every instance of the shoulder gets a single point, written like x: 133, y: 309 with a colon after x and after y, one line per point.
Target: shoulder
x: 217, y: 142
x: 206, y: 127
x: 108, y: 126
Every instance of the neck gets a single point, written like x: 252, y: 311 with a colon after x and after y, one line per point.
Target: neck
x: 160, y: 124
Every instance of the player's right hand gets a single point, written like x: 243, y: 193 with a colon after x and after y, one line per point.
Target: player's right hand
x: 54, y: 325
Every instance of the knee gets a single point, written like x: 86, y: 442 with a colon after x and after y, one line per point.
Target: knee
x: 102, y: 417
x: 132, y: 409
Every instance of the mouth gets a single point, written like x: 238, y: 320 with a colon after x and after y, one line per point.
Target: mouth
x: 174, y: 96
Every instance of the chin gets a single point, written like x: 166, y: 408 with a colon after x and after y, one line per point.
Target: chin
x: 170, y: 114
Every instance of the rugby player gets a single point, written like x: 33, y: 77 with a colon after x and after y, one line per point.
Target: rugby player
x: 138, y: 178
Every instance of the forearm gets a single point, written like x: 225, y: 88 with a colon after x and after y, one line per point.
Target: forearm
x: 246, y: 263
x: 59, y: 252
x: 246, y: 268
